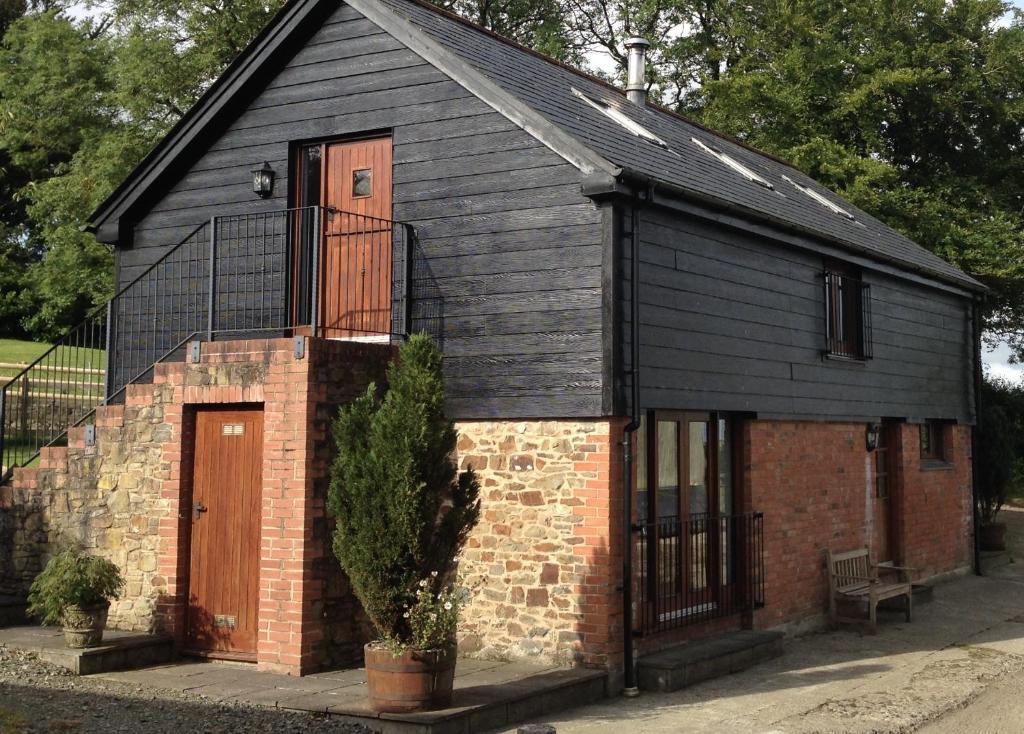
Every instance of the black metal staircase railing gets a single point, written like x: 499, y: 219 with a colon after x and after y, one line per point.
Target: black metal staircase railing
x: 314, y: 270
x: 694, y: 569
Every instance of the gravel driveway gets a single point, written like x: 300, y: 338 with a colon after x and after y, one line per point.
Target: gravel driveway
x: 36, y: 697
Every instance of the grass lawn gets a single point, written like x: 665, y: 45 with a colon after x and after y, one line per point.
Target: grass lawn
x: 20, y: 353
x: 12, y: 722
x: 15, y: 351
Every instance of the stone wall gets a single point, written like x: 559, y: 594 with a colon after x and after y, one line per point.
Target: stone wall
x: 544, y: 562
x: 127, y: 496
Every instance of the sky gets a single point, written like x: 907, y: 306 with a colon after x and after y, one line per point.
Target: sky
x: 996, y: 361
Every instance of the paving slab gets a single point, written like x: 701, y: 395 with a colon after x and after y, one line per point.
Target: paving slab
x: 488, y: 694
x: 118, y: 650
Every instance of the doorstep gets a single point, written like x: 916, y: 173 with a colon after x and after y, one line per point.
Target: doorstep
x: 488, y: 695
x: 119, y: 650
x: 700, y: 660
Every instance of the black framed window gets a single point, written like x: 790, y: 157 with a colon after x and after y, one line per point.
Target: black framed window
x: 933, y: 441
x: 847, y: 314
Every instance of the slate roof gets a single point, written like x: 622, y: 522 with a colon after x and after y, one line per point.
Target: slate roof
x: 547, y: 86
x: 544, y: 88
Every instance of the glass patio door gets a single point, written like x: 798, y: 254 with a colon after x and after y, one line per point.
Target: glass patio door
x: 685, y: 504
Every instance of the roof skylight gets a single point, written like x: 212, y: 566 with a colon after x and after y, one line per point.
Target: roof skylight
x: 624, y: 120
x: 824, y: 201
x: 734, y: 164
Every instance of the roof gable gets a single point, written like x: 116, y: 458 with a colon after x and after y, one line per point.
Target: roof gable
x: 555, y: 104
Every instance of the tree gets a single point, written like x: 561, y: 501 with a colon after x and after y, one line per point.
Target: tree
x: 537, y: 24
x: 403, y: 510
x: 81, y: 103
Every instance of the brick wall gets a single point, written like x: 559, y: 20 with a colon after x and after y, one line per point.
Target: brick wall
x: 544, y: 563
x: 126, y: 496
x: 815, y: 484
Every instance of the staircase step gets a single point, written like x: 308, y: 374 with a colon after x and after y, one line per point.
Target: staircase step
x: 693, y: 662
x: 118, y: 651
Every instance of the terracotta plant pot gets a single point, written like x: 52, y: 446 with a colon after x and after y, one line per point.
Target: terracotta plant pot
x: 416, y: 680
x: 83, y: 626
x: 992, y: 536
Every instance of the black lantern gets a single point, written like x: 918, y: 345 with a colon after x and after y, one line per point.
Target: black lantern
x: 871, y: 436
x: 263, y: 181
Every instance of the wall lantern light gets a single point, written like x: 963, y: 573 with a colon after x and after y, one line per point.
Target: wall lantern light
x: 871, y: 435
x: 263, y: 181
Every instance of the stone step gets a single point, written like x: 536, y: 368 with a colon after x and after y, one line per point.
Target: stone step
x: 991, y: 560
x: 693, y: 662
x: 119, y: 650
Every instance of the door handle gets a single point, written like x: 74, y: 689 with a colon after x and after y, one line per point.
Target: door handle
x: 199, y: 509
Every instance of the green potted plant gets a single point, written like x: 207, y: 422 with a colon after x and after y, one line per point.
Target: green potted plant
x: 403, y: 512
x: 75, y: 590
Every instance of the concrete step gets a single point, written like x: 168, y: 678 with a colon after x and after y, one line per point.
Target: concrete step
x: 693, y: 662
x: 119, y: 650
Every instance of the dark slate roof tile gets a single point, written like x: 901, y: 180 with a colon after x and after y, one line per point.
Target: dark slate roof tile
x: 547, y: 87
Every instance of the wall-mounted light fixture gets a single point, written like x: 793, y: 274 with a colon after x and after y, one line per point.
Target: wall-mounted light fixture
x: 263, y: 181
x: 871, y: 435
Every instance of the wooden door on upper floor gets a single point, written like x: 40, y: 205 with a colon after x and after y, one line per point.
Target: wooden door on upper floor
x: 351, y: 180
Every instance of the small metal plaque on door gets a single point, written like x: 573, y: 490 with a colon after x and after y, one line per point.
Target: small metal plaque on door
x: 233, y: 429
x: 225, y: 620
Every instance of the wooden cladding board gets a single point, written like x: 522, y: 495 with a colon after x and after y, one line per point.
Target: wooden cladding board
x: 509, y: 262
x: 224, y: 568
x: 732, y: 321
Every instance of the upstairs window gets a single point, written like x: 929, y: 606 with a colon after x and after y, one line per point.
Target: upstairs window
x: 622, y: 119
x: 823, y: 200
x: 734, y: 164
x: 847, y: 314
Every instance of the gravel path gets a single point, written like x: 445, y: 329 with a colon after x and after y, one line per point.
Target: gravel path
x: 38, y: 698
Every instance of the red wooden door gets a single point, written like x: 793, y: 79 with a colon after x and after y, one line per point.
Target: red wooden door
x: 357, y: 257
x: 225, y: 563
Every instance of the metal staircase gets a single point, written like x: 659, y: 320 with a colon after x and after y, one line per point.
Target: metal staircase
x: 231, y: 276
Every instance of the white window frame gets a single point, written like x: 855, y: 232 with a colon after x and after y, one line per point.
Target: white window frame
x: 823, y: 200
x: 734, y: 165
x: 621, y: 118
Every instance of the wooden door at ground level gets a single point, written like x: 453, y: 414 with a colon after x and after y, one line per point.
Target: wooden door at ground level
x: 225, y: 517
x: 358, y: 238
x: 883, y: 520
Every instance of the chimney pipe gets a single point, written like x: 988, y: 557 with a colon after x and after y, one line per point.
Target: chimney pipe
x: 636, y: 74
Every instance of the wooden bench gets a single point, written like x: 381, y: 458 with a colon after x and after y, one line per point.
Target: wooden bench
x: 852, y: 577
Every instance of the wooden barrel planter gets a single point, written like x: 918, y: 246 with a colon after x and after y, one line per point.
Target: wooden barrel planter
x: 416, y: 680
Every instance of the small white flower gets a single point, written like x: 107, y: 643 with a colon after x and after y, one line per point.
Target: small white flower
x: 434, y: 574
x: 406, y: 615
x: 448, y: 605
x: 423, y: 583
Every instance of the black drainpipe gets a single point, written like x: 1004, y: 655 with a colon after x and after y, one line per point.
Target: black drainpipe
x: 976, y: 320
x: 630, y: 688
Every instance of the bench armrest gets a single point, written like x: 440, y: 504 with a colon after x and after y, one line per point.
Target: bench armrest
x: 904, y: 571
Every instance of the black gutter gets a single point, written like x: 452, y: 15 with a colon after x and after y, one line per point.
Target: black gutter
x: 978, y: 379
x: 629, y: 667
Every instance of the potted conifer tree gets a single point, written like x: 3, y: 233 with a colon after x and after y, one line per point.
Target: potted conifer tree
x: 74, y: 590
x: 403, y: 512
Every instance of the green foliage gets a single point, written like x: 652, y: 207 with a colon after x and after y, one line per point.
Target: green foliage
x: 81, y: 103
x: 1000, y: 446
x: 72, y: 578
x: 433, y: 618
x: 403, y: 510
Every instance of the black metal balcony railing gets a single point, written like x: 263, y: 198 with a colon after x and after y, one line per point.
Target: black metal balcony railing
x: 696, y: 569
x: 313, y: 270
